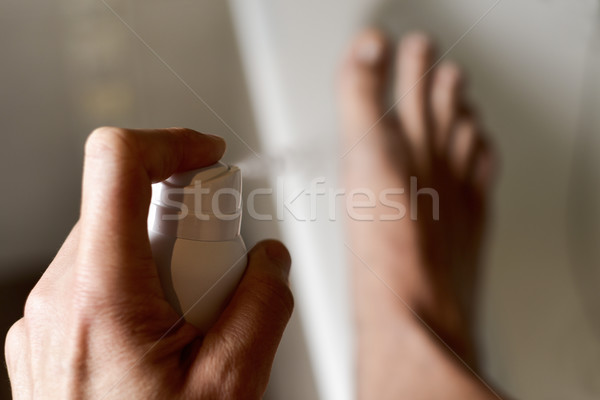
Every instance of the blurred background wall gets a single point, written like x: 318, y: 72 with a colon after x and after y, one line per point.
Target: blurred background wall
x: 70, y: 66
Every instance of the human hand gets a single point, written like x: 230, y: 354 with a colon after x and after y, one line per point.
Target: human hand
x: 97, y: 325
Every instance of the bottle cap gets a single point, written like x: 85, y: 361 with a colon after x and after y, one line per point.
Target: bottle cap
x: 203, y: 204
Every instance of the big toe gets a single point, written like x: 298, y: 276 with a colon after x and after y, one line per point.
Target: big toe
x: 362, y: 86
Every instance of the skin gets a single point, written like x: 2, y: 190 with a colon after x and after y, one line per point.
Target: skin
x: 414, y: 279
x: 93, y: 326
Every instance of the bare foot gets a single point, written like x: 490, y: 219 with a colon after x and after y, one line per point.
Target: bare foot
x: 414, y: 274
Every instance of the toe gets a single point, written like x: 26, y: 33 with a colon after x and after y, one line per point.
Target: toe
x: 412, y: 89
x: 362, y: 86
x: 446, y: 94
x: 484, y: 169
x: 463, y: 146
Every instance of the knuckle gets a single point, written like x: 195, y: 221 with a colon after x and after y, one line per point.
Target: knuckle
x: 218, y: 374
x: 36, y: 305
x: 109, y: 142
x: 14, y: 341
x: 234, y: 383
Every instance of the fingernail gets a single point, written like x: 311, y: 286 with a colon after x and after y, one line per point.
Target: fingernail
x: 370, y: 50
x: 280, y: 256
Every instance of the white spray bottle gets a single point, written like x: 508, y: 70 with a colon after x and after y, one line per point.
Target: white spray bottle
x: 194, y: 229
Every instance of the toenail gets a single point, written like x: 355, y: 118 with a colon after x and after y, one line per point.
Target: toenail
x: 370, y: 50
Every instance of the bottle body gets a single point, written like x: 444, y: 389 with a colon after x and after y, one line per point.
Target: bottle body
x: 198, y: 277
x: 194, y: 229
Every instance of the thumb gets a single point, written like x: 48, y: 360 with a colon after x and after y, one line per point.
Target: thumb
x: 244, y: 340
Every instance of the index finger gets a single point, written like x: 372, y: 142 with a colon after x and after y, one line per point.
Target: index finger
x: 120, y: 166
